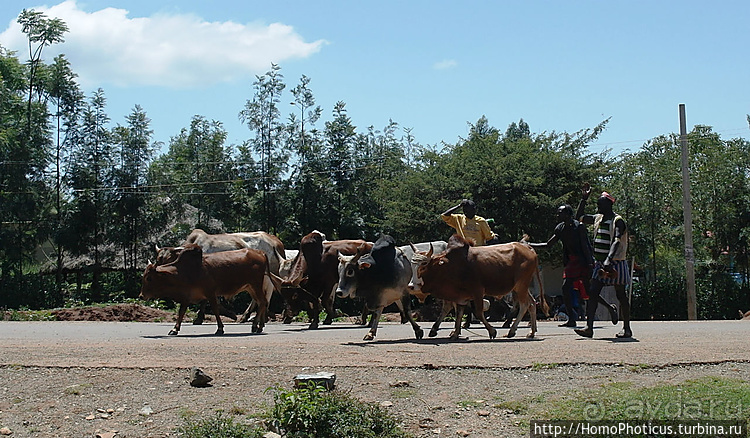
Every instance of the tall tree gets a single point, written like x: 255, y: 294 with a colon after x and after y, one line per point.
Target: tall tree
x: 41, y: 32
x: 308, y: 148
x: 90, y: 177
x: 341, y: 141
x: 133, y: 142
x: 262, y: 115
x: 67, y: 98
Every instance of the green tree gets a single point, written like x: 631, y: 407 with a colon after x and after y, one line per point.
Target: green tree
x: 198, y: 170
x: 341, y: 141
x: 41, y: 32
x: 91, y: 176
x: 130, y: 230
x: 67, y: 98
x: 306, y: 144
x: 262, y: 115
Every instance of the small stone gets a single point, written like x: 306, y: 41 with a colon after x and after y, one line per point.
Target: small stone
x: 5, y: 431
x: 104, y: 416
x: 463, y: 433
x: 110, y: 411
x: 483, y: 413
x: 90, y: 417
x: 198, y: 378
x: 437, y: 431
x: 106, y: 434
x: 386, y: 404
x: 400, y: 384
x: 146, y: 411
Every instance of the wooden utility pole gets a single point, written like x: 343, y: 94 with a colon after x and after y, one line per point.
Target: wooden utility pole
x: 688, y: 215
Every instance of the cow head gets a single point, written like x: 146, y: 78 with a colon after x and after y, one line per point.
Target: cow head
x: 348, y: 269
x: 444, y: 268
x: 161, y: 280
x: 166, y: 255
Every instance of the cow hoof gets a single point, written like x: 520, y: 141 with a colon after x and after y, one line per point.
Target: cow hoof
x: 419, y: 333
x: 219, y: 332
x: 197, y: 322
x: 453, y: 336
x: 493, y: 333
x: 313, y: 326
x: 511, y: 334
x: 530, y: 335
x: 173, y: 332
x: 432, y: 333
x: 328, y: 321
x: 368, y: 337
x: 287, y: 320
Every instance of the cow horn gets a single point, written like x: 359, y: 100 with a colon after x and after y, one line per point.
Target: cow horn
x: 429, y: 253
x: 157, y: 247
x: 413, y: 248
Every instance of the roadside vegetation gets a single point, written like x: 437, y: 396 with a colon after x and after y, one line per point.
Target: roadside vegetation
x: 706, y: 398
x: 309, y: 412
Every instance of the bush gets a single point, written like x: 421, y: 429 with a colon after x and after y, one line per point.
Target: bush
x: 314, y: 413
x: 309, y: 412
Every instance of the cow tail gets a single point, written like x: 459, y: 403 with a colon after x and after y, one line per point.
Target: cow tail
x: 275, y: 279
x: 542, y: 299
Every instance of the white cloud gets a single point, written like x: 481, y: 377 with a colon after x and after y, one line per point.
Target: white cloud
x: 178, y: 51
x: 445, y: 64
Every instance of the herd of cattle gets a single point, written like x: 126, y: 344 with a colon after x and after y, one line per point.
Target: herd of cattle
x: 208, y: 266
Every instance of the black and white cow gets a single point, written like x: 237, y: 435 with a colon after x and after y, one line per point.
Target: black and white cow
x: 380, y: 277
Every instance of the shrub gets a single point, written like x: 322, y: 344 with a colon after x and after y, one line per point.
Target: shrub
x: 314, y: 413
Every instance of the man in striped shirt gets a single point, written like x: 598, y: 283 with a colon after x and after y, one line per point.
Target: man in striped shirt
x: 610, y: 267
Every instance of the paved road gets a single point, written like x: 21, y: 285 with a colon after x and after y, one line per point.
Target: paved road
x: 146, y: 345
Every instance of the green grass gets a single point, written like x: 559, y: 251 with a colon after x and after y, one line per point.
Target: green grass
x: 27, y: 315
x: 706, y: 398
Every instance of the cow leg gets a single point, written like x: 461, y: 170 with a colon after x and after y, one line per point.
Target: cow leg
x: 248, y: 311
x: 180, y: 315
x: 479, y: 312
x: 447, y: 306
x: 404, y: 305
x: 215, y: 306
x: 328, y: 303
x: 201, y: 316
x: 374, y: 328
x: 457, y: 328
x: 532, y: 316
x: 522, y: 309
x: 363, y: 317
x: 262, y: 302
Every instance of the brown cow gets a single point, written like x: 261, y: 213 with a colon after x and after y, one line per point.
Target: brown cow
x: 315, y: 271
x: 193, y: 276
x: 464, y: 273
x: 211, y: 243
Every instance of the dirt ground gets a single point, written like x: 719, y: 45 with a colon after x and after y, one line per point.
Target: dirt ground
x: 145, y: 401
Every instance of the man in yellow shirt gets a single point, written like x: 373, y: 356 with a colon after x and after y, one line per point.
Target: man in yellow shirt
x: 468, y: 225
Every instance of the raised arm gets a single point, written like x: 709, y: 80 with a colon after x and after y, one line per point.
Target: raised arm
x: 451, y: 210
x: 580, y: 215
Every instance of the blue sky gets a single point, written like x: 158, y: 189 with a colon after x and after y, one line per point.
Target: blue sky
x: 432, y: 66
